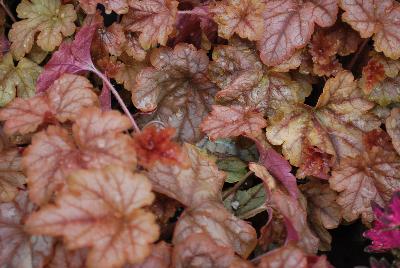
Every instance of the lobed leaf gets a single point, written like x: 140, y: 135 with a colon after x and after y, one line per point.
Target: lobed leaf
x: 107, y: 204
x: 48, y: 17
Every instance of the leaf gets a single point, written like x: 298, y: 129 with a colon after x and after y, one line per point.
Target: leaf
x: 64, y: 258
x: 47, y: 161
x: 358, y: 185
x: 193, y: 185
x: 290, y: 24
x: 18, y: 249
x: 241, y: 17
x: 377, y: 19
x: 247, y: 203
x: 105, y: 203
x: 315, y: 163
x: 238, y: 72
x: 112, y: 39
x: 199, y: 250
x: 98, y: 134
x: 212, y: 218
x: 295, y: 216
x: 63, y: 101
x: 97, y: 141
x: 385, y: 234
x: 11, y: 175
x: 225, y: 122
x: 133, y: 47
x: 291, y: 256
x: 234, y: 168
x: 17, y: 81
x: 178, y: 74
x: 24, y: 116
x: 393, y: 128
x: 159, y: 257
x: 71, y: 57
x: 118, y: 6
x: 154, y: 19
x: 154, y: 145
x: 379, y: 80
x: 50, y: 18
x: 335, y: 126
x: 69, y: 94
x: 323, y: 211
x: 127, y: 72
x: 279, y: 168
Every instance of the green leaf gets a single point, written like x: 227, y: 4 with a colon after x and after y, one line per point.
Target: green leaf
x: 17, y: 81
x: 247, y: 203
x: 234, y: 167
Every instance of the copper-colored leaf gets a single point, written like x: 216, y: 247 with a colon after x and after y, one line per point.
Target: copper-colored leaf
x: 98, y: 134
x: 47, y: 161
x: 97, y: 141
x: 290, y: 24
x: 237, y: 70
x: 112, y: 39
x: 335, y: 126
x: 11, y: 176
x: 315, y: 162
x: 102, y: 210
x: 154, y: 19
x: 48, y: 17
x: 224, y: 228
x: 62, y: 102
x: 178, y: 87
x: 118, y: 6
x: 199, y: 250
x: 153, y: 145
x: 225, y: 122
x: 18, y: 249
x: 193, y: 185
x: 159, y: 257
x: 321, y: 204
x: 69, y: 94
x: 24, y: 116
x: 291, y: 256
x: 241, y: 17
x: 371, y: 176
x: 378, y: 19
x: 295, y: 215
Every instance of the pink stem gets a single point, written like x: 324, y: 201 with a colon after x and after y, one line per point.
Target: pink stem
x: 118, y: 97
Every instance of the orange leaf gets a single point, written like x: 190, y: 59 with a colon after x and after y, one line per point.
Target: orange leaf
x: 102, y: 209
x: 377, y: 18
x: 160, y: 257
x: 153, y: 145
x: 225, y: 122
x: 178, y: 87
x: 199, y: 250
x: 224, y: 228
x: 241, y: 17
x: 358, y: 186
x: 62, y: 101
x: 193, y: 185
x: 96, y: 142
x: 290, y: 24
x: 154, y: 19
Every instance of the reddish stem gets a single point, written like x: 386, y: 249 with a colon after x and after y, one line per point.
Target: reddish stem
x: 118, y: 97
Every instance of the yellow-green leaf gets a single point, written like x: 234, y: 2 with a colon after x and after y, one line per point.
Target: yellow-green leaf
x: 48, y: 17
x: 17, y: 80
